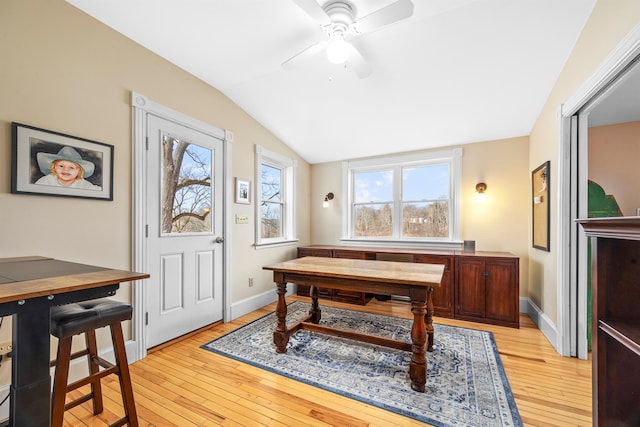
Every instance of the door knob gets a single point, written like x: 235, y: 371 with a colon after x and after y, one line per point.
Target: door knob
x: 219, y: 239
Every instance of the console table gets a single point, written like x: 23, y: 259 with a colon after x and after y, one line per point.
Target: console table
x: 415, y: 281
x: 477, y: 286
x: 29, y: 287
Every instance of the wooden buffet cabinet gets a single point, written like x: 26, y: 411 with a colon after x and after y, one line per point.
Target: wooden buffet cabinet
x: 615, y: 272
x: 476, y: 286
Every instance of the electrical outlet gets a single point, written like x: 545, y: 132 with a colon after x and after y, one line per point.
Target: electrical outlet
x: 5, y: 348
x: 250, y: 281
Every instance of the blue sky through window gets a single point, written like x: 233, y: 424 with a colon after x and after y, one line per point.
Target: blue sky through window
x: 430, y: 182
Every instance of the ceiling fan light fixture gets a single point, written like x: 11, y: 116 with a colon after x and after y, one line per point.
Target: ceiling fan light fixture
x: 338, y: 50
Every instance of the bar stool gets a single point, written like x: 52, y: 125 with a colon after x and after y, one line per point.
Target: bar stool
x: 84, y: 318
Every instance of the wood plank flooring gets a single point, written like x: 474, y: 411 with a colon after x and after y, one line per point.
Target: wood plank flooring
x: 182, y: 385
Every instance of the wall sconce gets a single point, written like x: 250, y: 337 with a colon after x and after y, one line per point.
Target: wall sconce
x: 328, y: 197
x: 481, y: 187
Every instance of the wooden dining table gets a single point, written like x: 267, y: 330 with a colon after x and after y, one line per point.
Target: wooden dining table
x: 29, y: 287
x: 415, y: 281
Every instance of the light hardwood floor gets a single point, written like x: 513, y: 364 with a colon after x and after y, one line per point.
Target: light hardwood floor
x: 183, y: 385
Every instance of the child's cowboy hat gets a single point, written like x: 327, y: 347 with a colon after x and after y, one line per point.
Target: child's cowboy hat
x: 65, y: 153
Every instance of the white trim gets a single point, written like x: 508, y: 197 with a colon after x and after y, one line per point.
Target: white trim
x: 255, y: 302
x: 542, y: 321
x: 289, y: 167
x: 615, y: 63
x: 141, y: 107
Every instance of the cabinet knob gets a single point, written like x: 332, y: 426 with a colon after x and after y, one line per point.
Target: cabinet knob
x: 485, y: 274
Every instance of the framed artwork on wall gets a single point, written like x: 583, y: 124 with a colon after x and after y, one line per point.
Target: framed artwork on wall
x: 55, y: 164
x: 540, y: 205
x: 243, y: 188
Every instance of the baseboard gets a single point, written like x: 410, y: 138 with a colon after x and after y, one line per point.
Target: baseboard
x: 255, y: 302
x: 542, y: 321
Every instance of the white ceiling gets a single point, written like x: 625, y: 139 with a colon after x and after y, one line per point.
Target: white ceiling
x: 457, y: 71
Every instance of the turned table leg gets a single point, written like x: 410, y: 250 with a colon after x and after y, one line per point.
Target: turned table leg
x: 314, y: 311
x: 418, y: 366
x: 281, y: 335
x: 428, y: 320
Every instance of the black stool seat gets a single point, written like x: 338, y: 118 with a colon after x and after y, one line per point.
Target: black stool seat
x: 73, y: 319
x: 84, y: 318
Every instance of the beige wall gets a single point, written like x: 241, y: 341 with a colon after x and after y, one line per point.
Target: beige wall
x: 498, y: 224
x: 614, y: 152
x: 62, y: 70
x: 609, y: 23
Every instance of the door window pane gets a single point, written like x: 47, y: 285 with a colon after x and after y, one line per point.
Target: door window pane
x: 186, y: 187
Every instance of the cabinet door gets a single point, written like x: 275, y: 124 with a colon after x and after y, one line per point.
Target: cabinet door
x: 442, y: 297
x: 502, y: 291
x: 470, y: 288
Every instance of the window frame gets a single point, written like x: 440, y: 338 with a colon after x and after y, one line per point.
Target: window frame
x: 451, y: 157
x: 288, y: 167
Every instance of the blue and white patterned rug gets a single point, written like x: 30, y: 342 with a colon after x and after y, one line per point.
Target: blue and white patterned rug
x: 466, y: 383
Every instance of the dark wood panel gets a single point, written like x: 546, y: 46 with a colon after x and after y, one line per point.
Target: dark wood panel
x: 616, y: 319
x: 443, y: 299
x: 468, y: 294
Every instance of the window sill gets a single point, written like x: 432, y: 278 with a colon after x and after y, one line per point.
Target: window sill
x: 275, y: 244
x: 424, y: 244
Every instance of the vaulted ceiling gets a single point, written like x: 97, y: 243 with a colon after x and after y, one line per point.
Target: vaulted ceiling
x: 454, y: 72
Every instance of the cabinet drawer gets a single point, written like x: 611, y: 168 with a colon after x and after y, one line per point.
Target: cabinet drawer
x: 319, y: 252
x: 340, y: 253
x: 447, y: 261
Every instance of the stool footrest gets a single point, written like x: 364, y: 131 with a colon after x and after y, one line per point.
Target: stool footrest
x: 92, y: 378
x: 78, y: 401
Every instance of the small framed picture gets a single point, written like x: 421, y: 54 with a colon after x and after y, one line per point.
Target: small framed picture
x: 243, y: 191
x: 55, y: 164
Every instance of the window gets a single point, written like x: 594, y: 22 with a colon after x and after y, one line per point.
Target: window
x: 275, y: 177
x: 413, y: 198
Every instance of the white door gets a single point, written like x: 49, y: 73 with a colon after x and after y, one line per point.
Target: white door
x: 185, y: 230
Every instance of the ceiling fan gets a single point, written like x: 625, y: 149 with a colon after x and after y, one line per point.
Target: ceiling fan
x: 339, y: 23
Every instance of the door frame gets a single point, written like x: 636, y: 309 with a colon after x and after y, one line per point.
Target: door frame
x: 141, y: 107
x: 571, y: 259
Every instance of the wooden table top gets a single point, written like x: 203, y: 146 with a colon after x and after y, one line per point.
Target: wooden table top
x: 31, y: 277
x: 376, y: 271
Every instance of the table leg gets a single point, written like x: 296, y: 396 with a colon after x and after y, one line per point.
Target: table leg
x: 281, y: 335
x: 428, y: 320
x: 418, y: 366
x: 30, y: 381
x: 315, y: 311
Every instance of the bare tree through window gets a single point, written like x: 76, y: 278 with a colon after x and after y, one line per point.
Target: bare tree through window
x: 186, y: 187
x: 271, y: 204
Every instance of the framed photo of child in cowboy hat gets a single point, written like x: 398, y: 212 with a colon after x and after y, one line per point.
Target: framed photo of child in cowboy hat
x: 55, y: 164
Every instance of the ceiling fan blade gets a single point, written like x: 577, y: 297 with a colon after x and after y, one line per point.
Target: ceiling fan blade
x: 356, y: 61
x: 401, y: 9
x: 313, y: 9
x: 304, y: 55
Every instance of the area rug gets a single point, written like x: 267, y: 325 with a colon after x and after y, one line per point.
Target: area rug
x: 466, y: 383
